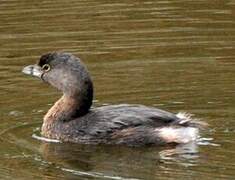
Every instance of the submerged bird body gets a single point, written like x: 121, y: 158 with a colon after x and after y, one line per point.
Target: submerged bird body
x: 70, y: 119
x: 119, y: 124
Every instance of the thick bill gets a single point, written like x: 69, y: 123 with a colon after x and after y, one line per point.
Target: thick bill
x: 33, y: 70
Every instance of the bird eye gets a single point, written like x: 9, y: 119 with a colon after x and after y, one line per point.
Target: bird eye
x: 46, y: 67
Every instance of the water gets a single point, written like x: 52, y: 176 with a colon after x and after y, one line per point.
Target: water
x: 175, y: 55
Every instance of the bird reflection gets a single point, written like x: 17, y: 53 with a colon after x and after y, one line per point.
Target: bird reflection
x: 124, y: 160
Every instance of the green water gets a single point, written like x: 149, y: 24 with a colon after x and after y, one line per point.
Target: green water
x: 176, y: 55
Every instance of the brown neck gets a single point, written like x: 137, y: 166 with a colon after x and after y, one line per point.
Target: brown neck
x: 62, y: 110
x: 72, y: 105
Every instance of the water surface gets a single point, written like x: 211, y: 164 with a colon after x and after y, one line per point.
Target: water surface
x: 175, y: 55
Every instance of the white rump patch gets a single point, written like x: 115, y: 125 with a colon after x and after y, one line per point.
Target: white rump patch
x: 178, y: 134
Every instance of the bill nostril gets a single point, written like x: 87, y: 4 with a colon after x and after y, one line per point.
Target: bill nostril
x: 31, y: 70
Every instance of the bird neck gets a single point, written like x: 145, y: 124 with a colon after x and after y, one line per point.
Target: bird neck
x: 70, y: 107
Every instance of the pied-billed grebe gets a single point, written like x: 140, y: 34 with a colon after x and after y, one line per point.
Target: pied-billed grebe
x: 70, y: 119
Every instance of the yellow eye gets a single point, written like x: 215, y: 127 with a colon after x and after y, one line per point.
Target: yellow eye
x: 46, y: 67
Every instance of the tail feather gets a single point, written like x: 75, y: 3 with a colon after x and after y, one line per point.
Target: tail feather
x: 187, y: 119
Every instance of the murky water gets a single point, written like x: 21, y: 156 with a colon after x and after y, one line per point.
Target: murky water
x: 177, y: 55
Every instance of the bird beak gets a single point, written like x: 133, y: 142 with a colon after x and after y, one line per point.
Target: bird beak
x: 33, y: 70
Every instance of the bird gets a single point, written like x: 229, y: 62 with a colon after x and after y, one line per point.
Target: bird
x: 73, y: 119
